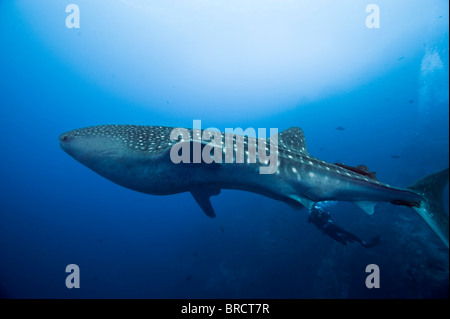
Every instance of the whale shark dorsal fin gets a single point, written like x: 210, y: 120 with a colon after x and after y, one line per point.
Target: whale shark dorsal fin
x: 368, y: 207
x: 294, y: 140
x: 202, y: 197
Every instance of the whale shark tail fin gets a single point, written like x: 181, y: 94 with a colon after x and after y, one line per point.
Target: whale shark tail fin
x: 432, y: 209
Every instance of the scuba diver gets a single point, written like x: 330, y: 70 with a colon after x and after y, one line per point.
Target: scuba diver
x: 322, y: 220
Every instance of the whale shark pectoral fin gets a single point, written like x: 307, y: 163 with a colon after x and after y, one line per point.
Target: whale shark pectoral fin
x: 368, y: 207
x: 202, y: 197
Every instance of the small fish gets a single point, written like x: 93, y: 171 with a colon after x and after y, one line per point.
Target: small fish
x: 395, y: 156
x: 188, y: 277
x: 340, y: 128
x: 400, y: 58
x: 222, y: 229
x: 411, y: 101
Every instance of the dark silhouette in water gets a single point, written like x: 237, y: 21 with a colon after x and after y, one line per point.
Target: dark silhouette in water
x: 322, y: 220
x: 340, y: 128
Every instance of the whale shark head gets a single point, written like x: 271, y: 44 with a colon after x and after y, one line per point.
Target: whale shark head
x: 123, y: 154
x: 116, y: 140
x: 109, y: 150
x: 93, y: 144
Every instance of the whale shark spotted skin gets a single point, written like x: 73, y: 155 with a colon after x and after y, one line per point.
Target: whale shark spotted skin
x: 138, y: 158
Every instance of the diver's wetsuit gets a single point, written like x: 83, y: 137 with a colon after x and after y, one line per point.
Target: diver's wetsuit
x: 322, y: 220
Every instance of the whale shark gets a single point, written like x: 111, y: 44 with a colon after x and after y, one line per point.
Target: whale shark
x: 139, y: 158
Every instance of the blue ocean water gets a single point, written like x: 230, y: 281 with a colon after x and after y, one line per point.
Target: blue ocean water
x: 372, y: 96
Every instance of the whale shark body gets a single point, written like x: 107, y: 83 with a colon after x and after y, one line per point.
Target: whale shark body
x: 138, y: 158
